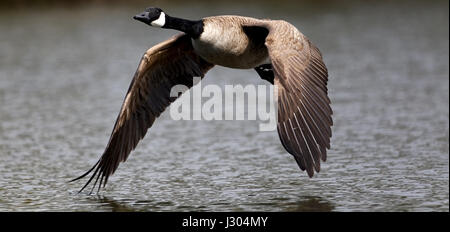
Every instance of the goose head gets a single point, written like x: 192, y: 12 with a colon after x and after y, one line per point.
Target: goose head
x: 152, y: 16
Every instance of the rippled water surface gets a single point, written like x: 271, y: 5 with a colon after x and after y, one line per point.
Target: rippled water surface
x: 64, y: 73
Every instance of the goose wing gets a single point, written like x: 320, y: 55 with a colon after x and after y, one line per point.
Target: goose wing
x: 163, y: 66
x: 304, y: 112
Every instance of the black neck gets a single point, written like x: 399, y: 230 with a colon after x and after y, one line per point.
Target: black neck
x: 192, y: 28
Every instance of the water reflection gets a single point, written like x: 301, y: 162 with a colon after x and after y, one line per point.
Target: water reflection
x: 303, y: 204
x: 115, y: 206
x: 310, y: 204
x: 106, y: 203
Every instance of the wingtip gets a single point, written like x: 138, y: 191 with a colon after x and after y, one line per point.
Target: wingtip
x: 310, y: 172
x: 75, y: 179
x: 85, y: 174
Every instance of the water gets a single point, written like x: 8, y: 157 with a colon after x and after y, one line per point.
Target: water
x: 64, y: 73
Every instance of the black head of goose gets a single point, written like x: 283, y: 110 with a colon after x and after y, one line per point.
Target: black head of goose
x: 277, y: 51
x: 157, y: 18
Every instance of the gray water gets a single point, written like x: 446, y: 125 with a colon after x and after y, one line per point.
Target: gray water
x: 64, y: 73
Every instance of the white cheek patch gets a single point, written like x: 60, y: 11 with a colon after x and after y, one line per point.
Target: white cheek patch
x: 160, y: 21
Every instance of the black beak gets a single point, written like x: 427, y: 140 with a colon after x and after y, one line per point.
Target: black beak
x: 143, y: 17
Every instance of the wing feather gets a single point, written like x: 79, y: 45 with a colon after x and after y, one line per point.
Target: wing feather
x: 304, y: 112
x: 163, y: 66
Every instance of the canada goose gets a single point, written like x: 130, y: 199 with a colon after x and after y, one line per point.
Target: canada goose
x: 277, y: 51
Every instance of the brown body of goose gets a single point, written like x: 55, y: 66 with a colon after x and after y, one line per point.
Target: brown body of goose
x: 235, y: 49
x: 274, y: 48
